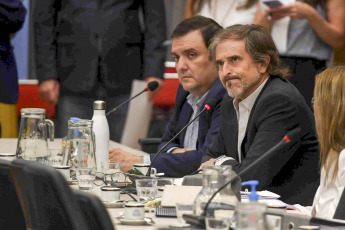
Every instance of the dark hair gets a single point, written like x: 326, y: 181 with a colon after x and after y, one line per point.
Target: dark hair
x: 207, y: 27
x: 258, y: 43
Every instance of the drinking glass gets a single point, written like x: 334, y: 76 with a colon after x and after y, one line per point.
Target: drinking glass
x: 85, y: 177
x: 183, y: 209
x: 213, y: 223
x: 113, y: 172
x: 146, y: 189
x: 55, y: 157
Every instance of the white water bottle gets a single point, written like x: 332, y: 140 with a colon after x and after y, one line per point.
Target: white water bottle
x: 101, y: 130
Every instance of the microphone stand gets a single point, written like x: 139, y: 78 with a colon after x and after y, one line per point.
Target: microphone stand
x: 123, y: 103
x: 173, y: 138
x: 200, y: 220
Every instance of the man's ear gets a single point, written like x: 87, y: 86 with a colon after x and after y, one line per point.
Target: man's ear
x: 263, y: 66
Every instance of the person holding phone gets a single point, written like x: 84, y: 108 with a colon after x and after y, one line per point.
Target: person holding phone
x: 316, y: 27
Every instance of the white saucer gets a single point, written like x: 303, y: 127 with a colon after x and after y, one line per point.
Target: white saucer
x: 113, y: 204
x: 71, y: 181
x: 179, y: 225
x: 131, y: 222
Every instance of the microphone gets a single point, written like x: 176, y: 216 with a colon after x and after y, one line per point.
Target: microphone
x: 284, y: 143
x: 151, y: 86
x: 210, y: 104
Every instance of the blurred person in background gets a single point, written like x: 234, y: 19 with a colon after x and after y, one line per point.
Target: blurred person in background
x: 92, y: 50
x: 315, y: 28
x: 12, y: 16
x: 225, y: 12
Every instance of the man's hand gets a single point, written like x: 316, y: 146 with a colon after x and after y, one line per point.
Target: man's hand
x: 152, y: 94
x: 181, y: 150
x: 127, y: 159
x: 50, y: 91
x: 207, y: 163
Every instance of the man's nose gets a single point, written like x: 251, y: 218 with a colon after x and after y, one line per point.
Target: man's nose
x: 226, y: 69
x: 181, y: 64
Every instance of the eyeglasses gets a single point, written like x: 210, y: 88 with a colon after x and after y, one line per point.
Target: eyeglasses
x: 118, y: 179
x: 105, y: 179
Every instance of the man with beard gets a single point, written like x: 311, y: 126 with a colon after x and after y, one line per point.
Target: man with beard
x: 260, y: 108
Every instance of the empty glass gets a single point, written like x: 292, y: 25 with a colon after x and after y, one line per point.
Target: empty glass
x: 55, y: 157
x: 33, y: 134
x: 213, y: 223
x: 113, y: 172
x: 146, y: 189
x: 183, y: 209
x: 85, y: 177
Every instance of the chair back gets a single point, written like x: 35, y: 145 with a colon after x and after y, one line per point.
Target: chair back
x: 46, y: 196
x: 94, y: 211
x: 11, y: 214
x: 340, y: 211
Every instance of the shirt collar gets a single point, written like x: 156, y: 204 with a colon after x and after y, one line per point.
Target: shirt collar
x: 194, y: 100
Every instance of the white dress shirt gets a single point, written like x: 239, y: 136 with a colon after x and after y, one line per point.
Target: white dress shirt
x: 328, y: 194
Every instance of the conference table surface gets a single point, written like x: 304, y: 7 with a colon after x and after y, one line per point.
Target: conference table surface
x: 9, y: 145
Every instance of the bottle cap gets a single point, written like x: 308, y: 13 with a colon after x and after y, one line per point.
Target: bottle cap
x: 99, y: 105
x: 253, y: 196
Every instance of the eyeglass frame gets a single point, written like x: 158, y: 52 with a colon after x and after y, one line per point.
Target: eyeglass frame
x: 105, y: 182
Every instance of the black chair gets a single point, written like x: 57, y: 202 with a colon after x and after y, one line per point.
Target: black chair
x: 94, y: 211
x: 150, y: 144
x: 47, y: 200
x: 11, y: 214
x: 340, y: 211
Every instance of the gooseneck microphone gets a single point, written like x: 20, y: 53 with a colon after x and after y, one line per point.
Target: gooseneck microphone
x: 210, y: 104
x: 284, y: 143
x: 151, y: 86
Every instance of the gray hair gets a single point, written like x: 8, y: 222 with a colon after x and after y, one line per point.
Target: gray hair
x: 258, y: 43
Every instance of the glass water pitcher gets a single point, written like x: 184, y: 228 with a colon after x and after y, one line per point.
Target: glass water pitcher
x: 80, y: 146
x: 34, y: 131
x: 224, y: 203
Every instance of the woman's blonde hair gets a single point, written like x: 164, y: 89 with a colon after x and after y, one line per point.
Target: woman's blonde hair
x: 329, y: 107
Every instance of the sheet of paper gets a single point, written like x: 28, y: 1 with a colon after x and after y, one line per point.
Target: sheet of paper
x: 138, y: 116
x: 179, y: 194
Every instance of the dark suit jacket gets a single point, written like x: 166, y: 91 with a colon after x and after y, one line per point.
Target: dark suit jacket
x: 76, y: 39
x: 12, y: 16
x: 293, y: 173
x: 178, y: 165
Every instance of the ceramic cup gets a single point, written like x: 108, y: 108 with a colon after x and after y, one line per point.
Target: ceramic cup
x: 143, y: 168
x: 134, y: 211
x: 7, y: 156
x: 64, y: 170
x: 110, y: 194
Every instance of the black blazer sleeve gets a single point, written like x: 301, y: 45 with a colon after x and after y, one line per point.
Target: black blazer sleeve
x: 154, y: 37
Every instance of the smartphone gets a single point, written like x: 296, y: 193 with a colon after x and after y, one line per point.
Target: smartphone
x: 272, y: 3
